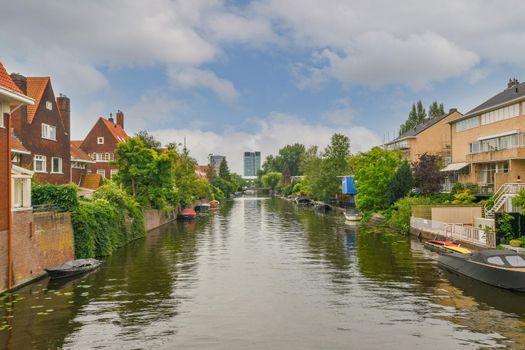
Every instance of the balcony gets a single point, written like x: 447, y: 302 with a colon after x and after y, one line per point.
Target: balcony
x: 497, y: 149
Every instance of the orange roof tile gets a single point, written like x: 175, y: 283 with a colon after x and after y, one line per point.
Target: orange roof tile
x: 79, y: 155
x: 91, y: 181
x: 6, y: 81
x: 17, y: 146
x: 115, y: 129
x: 76, y: 143
x: 35, y: 89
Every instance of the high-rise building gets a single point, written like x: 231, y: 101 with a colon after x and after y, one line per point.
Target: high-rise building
x: 216, y: 161
x: 252, y: 163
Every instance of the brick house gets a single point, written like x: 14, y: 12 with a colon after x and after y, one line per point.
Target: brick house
x: 101, y: 142
x: 13, y: 179
x: 44, y: 129
x: 80, y: 162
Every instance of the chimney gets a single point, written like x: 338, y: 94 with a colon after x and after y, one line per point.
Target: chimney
x: 512, y: 82
x: 111, y: 118
x: 63, y: 104
x: 20, y: 81
x: 120, y: 119
x: 452, y: 110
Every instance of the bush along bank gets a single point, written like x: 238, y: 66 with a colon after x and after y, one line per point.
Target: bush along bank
x: 109, y: 221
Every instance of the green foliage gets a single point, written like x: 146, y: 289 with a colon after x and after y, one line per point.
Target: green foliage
x: 373, y: 172
x: 399, y: 215
x: 464, y: 197
x: 416, y: 116
x: 61, y: 197
x: 519, y: 201
x: 303, y: 188
x: 427, y: 174
x: 504, y: 226
x: 289, y: 155
x: 401, y: 183
x: 224, y: 171
x: 271, y: 180
x: 150, y: 141
x: 435, y: 110
x: 110, y: 221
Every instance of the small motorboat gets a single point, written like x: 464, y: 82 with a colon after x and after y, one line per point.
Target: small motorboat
x: 440, y: 246
x: 73, y: 268
x: 353, y: 216
x: 202, y: 208
x: 214, y: 203
x: 186, y: 214
x: 501, y: 268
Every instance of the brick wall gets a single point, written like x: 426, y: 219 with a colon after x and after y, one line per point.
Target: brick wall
x: 3, y: 176
x: 40, y: 240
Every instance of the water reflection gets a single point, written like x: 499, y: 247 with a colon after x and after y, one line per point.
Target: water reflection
x: 262, y: 273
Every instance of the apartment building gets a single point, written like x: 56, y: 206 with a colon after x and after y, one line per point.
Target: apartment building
x: 488, y: 142
x: 432, y: 136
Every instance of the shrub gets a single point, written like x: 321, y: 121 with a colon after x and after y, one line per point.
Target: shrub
x: 464, y: 197
x: 504, y: 227
x: 110, y: 221
x: 399, y: 216
x: 59, y: 197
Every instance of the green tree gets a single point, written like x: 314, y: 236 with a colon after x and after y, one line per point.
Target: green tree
x: 149, y: 140
x: 290, y: 155
x: 435, y: 110
x: 271, y: 180
x: 333, y: 165
x: 421, y: 113
x: 224, y: 171
x: 427, y: 174
x: 373, y: 172
x: 401, y: 183
x: 286, y: 179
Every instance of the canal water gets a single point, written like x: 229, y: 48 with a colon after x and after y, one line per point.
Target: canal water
x: 263, y: 274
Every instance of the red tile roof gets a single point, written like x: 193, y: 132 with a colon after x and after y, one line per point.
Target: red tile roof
x: 6, y: 81
x: 76, y: 143
x: 16, y: 145
x: 115, y: 129
x: 35, y: 89
x: 79, y: 155
x: 200, y: 171
x: 91, y: 181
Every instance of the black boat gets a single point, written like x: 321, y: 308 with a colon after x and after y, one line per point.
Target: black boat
x: 73, y: 268
x: 500, y: 268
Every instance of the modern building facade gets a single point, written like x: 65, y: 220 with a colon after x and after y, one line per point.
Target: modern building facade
x: 252, y: 163
x: 432, y: 136
x: 488, y: 142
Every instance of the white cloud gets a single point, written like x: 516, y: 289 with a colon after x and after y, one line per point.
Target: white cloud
x: 341, y: 115
x: 190, y: 77
x: 276, y: 131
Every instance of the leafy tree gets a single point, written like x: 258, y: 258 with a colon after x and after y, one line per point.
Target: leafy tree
x: 435, y: 110
x: 224, y: 171
x: 333, y: 165
x: 286, y: 179
x: 271, y: 180
x: 464, y: 197
x: 149, y: 140
x: 421, y: 113
x: 373, y: 172
x: 427, y: 175
x: 290, y: 155
x: 401, y: 183
x: 416, y: 116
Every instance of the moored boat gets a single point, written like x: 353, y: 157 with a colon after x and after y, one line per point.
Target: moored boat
x: 186, y: 214
x: 500, y: 268
x: 73, y: 268
x: 353, y: 216
x: 214, y: 203
x: 440, y: 246
x: 303, y: 201
x: 202, y: 208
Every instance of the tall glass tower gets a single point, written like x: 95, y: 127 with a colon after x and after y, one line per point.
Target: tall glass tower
x: 252, y: 163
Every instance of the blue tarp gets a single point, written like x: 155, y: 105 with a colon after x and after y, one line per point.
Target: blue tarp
x: 349, y: 185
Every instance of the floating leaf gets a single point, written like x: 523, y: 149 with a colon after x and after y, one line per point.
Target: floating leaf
x: 37, y: 306
x: 50, y: 310
x: 42, y: 313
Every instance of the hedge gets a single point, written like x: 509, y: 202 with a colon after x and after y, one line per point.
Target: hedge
x: 57, y: 197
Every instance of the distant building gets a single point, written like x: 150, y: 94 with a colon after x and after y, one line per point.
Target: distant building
x: 216, y: 161
x: 252, y: 163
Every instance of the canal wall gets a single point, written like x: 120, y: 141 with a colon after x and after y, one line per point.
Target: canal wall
x: 154, y: 218
x: 39, y: 241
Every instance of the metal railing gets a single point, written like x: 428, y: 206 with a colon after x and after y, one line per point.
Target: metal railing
x: 456, y: 232
x: 498, y: 143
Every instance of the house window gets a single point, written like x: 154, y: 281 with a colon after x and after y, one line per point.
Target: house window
x: 56, y: 167
x: 102, y: 173
x: 49, y: 132
x: 113, y: 172
x: 39, y: 164
x: 49, y: 105
x: 100, y: 140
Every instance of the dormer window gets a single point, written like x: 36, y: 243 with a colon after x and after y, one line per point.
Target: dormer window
x: 100, y: 140
x: 49, y: 132
x: 49, y: 105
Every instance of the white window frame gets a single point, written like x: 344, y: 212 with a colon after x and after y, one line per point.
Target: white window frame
x: 40, y: 158
x: 100, y: 140
x: 49, y: 132
x: 49, y: 105
x: 53, y: 165
x: 112, y: 173
x: 102, y: 172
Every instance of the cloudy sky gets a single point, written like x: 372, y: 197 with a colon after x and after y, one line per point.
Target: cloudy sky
x: 232, y: 76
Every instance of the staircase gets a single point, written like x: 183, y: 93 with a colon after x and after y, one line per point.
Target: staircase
x: 504, y: 193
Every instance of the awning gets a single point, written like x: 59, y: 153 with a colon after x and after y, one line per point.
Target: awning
x: 455, y: 166
x: 512, y: 132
